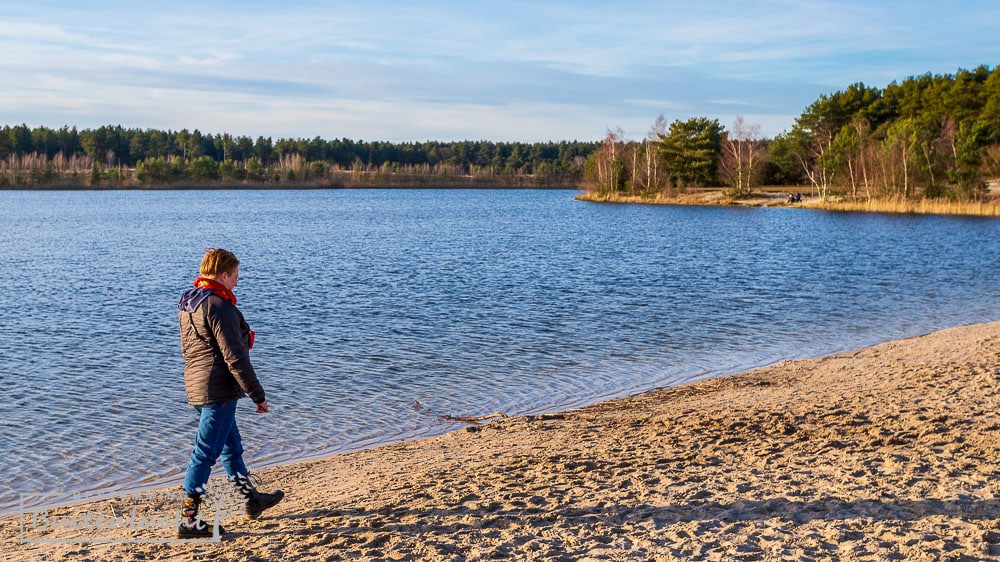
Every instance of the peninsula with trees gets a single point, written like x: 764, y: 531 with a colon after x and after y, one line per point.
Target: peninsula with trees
x: 930, y: 143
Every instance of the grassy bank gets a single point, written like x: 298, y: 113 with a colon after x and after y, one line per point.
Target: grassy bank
x: 774, y: 197
x: 986, y: 208
x: 778, y: 197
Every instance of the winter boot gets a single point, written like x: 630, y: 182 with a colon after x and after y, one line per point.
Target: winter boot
x: 257, y: 502
x: 192, y: 527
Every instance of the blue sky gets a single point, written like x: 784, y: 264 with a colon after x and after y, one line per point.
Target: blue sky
x: 455, y: 70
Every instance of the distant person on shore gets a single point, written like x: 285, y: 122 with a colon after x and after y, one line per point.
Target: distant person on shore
x: 216, y: 342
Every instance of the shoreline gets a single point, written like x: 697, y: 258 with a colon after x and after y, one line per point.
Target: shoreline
x: 708, y: 197
x: 883, y: 452
x: 695, y: 197
x: 778, y: 197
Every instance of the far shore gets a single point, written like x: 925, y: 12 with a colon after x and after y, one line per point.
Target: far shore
x: 773, y: 196
x: 808, y: 199
x: 333, y: 179
x: 882, y: 453
x: 290, y: 186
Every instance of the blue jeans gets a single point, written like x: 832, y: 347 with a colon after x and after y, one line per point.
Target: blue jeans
x: 217, y: 436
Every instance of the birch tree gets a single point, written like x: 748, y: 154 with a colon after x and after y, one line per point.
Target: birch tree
x: 652, y: 162
x: 605, y: 170
x: 743, y: 152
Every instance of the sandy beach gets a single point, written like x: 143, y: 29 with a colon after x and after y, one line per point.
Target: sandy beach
x: 884, y: 453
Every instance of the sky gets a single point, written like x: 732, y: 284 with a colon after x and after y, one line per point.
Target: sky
x: 531, y: 71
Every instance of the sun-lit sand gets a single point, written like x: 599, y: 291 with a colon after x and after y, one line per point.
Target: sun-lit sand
x: 885, y: 453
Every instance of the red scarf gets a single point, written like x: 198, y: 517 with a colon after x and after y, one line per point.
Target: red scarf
x: 219, y: 289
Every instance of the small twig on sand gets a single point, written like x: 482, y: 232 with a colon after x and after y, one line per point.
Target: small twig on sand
x: 475, y: 419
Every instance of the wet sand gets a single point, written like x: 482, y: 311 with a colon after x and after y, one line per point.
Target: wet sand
x: 884, y: 453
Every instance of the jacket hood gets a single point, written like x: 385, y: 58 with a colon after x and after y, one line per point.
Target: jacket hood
x: 192, y: 298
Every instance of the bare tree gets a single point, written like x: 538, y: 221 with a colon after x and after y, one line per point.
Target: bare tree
x: 651, y: 154
x: 610, y: 149
x: 606, y: 169
x: 863, y: 131
x: 817, y: 164
x: 633, y: 150
x: 743, y: 153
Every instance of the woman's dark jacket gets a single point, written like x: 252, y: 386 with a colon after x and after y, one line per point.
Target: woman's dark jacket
x: 215, y: 341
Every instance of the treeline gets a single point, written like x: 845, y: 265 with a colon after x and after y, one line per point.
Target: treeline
x: 116, y: 156
x: 930, y: 136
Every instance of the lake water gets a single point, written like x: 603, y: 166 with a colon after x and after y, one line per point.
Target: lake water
x: 468, y: 302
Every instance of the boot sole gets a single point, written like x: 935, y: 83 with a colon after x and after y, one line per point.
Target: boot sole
x: 185, y: 533
x: 255, y: 513
x: 195, y: 535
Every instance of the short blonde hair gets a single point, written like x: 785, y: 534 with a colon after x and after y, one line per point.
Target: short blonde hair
x: 218, y: 261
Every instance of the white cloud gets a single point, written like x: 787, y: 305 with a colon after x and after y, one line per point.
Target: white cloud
x: 34, y: 32
x: 448, y: 69
x: 213, y: 60
x: 122, y: 60
x: 734, y: 101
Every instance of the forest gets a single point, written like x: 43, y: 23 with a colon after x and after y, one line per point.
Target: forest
x: 930, y: 136
x: 113, y: 156
x: 927, y: 137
